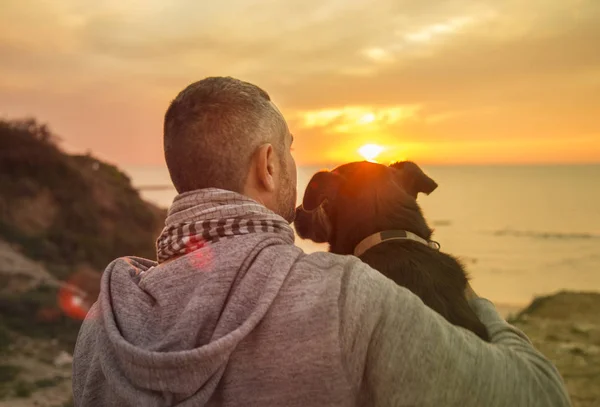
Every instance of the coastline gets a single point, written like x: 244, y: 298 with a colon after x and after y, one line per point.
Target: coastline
x: 509, y: 310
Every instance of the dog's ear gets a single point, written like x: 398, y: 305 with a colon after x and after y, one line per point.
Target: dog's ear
x: 324, y: 185
x: 413, y: 179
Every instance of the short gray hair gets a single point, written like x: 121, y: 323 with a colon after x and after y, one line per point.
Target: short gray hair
x: 213, y: 127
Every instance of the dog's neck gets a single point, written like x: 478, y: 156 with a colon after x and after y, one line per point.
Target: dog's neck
x: 387, y: 235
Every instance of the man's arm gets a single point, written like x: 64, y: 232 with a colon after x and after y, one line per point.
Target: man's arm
x: 399, y: 352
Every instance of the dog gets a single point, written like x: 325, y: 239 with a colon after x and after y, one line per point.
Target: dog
x: 370, y: 210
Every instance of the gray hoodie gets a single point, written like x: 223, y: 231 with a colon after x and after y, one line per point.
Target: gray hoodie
x: 254, y: 321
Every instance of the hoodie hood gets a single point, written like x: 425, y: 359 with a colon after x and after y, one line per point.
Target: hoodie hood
x: 168, y: 330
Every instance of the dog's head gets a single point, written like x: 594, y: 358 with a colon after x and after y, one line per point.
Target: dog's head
x: 355, y: 200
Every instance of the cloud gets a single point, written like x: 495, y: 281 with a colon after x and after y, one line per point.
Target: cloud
x: 429, y: 33
x: 352, y: 119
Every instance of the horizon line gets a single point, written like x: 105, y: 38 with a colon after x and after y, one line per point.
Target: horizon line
x: 429, y: 164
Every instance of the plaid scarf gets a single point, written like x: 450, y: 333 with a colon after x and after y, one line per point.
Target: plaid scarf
x: 208, y: 215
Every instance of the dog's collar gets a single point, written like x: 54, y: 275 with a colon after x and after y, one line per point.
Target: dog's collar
x: 387, y: 235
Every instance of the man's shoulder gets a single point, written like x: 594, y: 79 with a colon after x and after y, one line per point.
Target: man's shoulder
x: 347, y: 267
x: 330, y: 262
x: 326, y: 259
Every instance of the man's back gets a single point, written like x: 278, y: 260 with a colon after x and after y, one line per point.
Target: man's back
x: 249, y: 320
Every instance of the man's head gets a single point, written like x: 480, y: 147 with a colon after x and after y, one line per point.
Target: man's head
x: 225, y: 133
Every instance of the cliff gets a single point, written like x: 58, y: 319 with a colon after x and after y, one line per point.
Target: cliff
x: 63, y: 218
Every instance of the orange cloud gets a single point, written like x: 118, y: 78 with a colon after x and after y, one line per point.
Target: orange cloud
x: 352, y: 119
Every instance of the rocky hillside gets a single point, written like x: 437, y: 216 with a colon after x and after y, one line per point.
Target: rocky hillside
x: 63, y: 218
x: 566, y: 328
x: 68, y: 210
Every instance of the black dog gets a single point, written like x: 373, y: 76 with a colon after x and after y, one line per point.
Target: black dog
x: 370, y: 210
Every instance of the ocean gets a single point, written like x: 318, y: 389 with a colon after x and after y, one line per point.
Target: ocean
x: 522, y: 231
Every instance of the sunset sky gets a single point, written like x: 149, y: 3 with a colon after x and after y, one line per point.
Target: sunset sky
x: 438, y: 82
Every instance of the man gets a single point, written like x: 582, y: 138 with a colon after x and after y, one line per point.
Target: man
x: 234, y: 314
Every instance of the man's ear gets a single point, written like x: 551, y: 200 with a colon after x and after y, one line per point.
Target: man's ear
x: 324, y: 185
x: 264, y: 162
x: 413, y: 179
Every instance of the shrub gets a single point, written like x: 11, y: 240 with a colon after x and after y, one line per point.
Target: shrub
x: 23, y: 389
x: 8, y: 373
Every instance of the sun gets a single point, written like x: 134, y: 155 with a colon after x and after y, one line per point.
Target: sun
x: 370, y: 151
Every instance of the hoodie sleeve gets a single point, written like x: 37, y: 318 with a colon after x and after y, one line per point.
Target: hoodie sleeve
x: 399, y: 352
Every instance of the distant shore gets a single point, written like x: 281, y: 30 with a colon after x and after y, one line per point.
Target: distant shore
x: 508, y: 310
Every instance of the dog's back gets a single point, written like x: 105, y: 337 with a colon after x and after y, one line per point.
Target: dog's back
x: 437, y: 278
